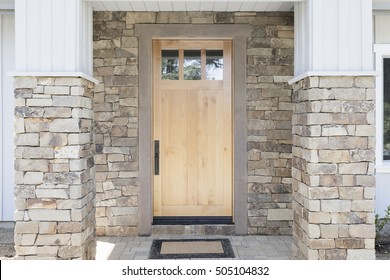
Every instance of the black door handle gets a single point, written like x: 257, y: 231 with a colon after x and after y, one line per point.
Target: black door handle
x: 156, y: 157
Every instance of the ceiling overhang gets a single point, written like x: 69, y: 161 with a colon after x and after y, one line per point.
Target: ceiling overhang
x: 195, y: 6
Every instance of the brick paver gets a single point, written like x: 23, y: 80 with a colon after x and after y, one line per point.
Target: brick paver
x: 244, y: 247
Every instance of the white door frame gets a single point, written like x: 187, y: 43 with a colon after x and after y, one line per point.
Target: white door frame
x: 7, y: 64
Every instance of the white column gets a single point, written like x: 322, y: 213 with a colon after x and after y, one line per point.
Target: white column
x: 7, y: 57
x: 53, y: 36
x: 333, y: 37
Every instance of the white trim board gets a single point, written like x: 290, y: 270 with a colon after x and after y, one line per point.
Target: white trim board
x: 54, y: 74
x: 381, y: 51
x: 332, y: 74
x: 7, y: 63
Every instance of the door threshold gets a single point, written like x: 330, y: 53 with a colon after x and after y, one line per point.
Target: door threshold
x: 193, y: 220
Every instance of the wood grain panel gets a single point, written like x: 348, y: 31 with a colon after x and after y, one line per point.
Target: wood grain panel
x: 193, y: 121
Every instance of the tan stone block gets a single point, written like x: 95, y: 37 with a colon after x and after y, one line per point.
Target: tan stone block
x: 77, y: 191
x: 365, y: 130
x: 19, y: 125
x: 313, y: 231
x: 317, y: 168
x: 365, y: 180
x: 54, y: 240
x: 346, y: 143
x: 38, y: 153
x: 333, y: 156
x: 336, y: 205
x: 353, y: 168
x: 323, y: 193
x: 79, y: 139
x: 49, y: 215
x: 78, y: 90
x: 53, y: 112
x: 52, y: 139
x: 27, y: 239
x: 321, y: 244
x: 363, y: 205
x: 68, y: 81
x: 43, y: 251
x: 25, y: 82
x: 59, y: 167
x: 39, y: 102
x: 371, y: 94
x: 70, y: 252
x: 41, y: 203
x: 25, y: 250
x: 279, y: 215
x: 312, y: 205
x: 78, y: 164
x: 319, y: 217
x: 349, y: 218
x: 64, y: 125
x: 335, y: 254
x: 343, y: 231
x: 360, y: 254
x: 33, y: 178
x: 123, y: 221
x: 329, y: 231
x: 26, y: 227
x: 122, y: 211
x: 20, y: 102
x: 334, y: 130
x: 71, y: 152
x: 78, y: 214
x: 336, y: 82
x: 47, y: 227
x: 319, y: 118
x: 27, y: 139
x: 53, y: 90
x: 362, y: 231
x: 349, y: 93
x: 369, y: 243
x: 351, y: 193
x: 369, y: 193
x: 31, y: 165
x: 70, y: 227
x: 20, y: 203
x: 52, y: 193
x: 330, y: 106
x: 365, y: 82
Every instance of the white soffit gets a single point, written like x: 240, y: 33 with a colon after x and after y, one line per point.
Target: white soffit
x: 381, y: 4
x: 7, y: 4
x: 194, y: 6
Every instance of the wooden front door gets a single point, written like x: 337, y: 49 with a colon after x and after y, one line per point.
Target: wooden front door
x: 192, y: 105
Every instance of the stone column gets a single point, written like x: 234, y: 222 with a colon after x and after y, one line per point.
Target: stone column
x: 333, y: 168
x: 54, y: 168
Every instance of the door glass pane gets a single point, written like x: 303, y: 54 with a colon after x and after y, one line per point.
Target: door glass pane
x: 170, y: 65
x: 214, y: 64
x: 192, y: 65
x: 386, y: 117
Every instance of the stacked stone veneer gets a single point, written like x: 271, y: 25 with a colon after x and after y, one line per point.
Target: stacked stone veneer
x: 333, y: 168
x: 270, y: 66
x: 54, y: 192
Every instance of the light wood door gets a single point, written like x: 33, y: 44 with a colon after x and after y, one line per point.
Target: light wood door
x: 193, y: 124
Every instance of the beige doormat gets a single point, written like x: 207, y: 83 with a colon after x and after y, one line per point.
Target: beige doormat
x: 191, y: 248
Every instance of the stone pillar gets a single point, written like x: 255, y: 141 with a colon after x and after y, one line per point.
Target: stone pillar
x: 54, y: 168
x: 333, y: 168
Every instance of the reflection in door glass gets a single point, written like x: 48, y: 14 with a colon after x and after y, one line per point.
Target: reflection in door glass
x: 170, y: 65
x: 214, y: 64
x: 386, y: 109
x: 192, y: 65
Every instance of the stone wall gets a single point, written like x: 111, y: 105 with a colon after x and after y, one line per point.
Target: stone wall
x: 270, y: 65
x: 54, y: 173
x: 333, y: 168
